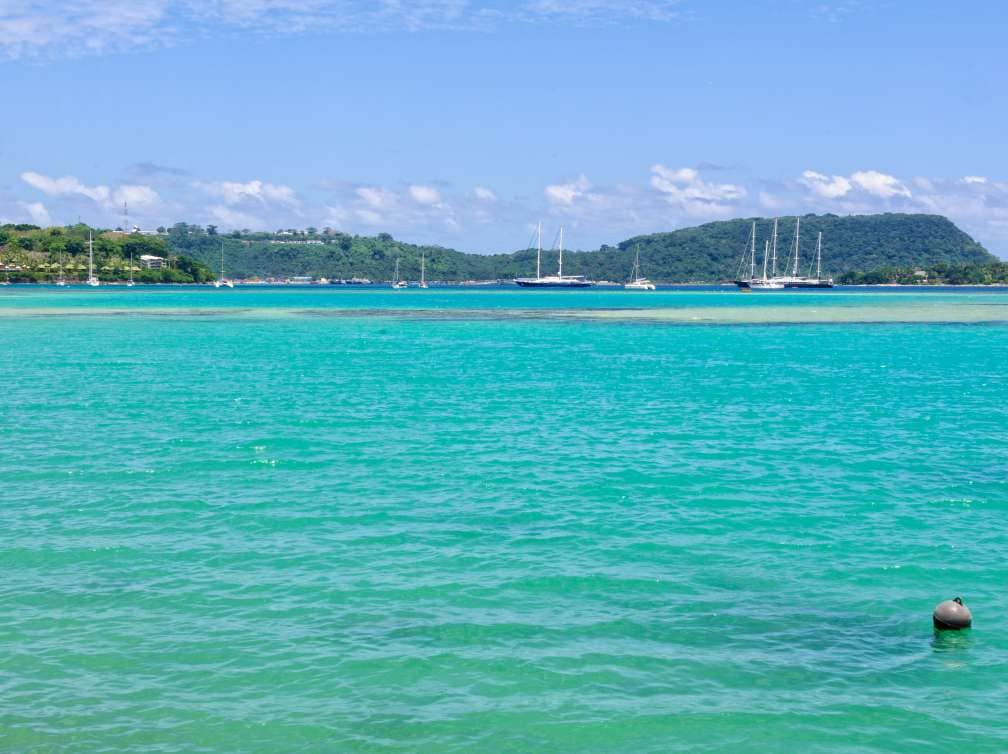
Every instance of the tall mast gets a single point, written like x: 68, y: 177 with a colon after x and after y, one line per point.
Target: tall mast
x: 222, y: 261
x: 421, y: 268
x: 797, y: 229
x: 818, y: 257
x: 539, y: 250
x: 752, y: 251
x: 90, y: 256
x: 131, y: 266
x: 560, y: 270
x: 774, y: 265
x: 766, y: 253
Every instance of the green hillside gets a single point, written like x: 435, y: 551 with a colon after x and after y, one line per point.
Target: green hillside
x: 705, y: 253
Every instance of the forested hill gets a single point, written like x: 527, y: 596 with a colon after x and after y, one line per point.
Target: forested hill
x: 706, y: 253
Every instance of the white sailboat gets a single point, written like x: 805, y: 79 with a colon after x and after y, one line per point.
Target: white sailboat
x: 221, y: 281
x: 129, y: 283
x: 638, y: 283
x: 552, y: 281
x: 794, y: 280
x: 61, y: 281
x: 423, y: 276
x: 92, y: 280
x: 396, y: 282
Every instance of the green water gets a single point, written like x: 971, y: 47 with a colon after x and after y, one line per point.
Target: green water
x: 501, y: 521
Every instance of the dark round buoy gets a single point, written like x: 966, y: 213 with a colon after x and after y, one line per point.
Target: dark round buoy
x: 952, y: 615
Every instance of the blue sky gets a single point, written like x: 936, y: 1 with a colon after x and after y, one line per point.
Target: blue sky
x: 464, y: 122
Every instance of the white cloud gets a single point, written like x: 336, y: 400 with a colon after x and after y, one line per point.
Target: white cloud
x: 37, y: 212
x: 484, y: 194
x: 879, y: 184
x: 63, y: 186
x: 684, y: 189
x: 235, y: 193
x: 974, y: 179
x: 424, y: 195
x: 825, y: 186
x: 565, y: 194
x: 377, y: 198
x: 69, y: 28
x: 136, y: 196
x: 231, y: 218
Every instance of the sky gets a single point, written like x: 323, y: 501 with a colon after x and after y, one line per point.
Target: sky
x: 465, y: 122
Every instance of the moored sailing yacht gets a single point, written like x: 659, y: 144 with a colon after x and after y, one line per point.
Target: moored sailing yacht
x: 552, y: 281
x: 129, y: 283
x: 753, y: 283
x: 92, y: 280
x: 221, y: 281
x: 638, y: 283
x: 396, y: 282
x: 423, y: 276
x: 806, y: 281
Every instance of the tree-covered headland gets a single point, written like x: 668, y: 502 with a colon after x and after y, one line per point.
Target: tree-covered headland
x: 856, y: 248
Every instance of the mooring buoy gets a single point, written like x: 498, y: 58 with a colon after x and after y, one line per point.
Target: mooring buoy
x: 952, y: 615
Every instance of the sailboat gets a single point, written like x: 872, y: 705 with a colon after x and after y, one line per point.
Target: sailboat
x: 794, y: 280
x: 552, y: 281
x: 91, y: 279
x: 423, y: 276
x: 638, y: 283
x: 220, y: 282
x: 61, y: 281
x: 396, y: 282
x: 129, y: 283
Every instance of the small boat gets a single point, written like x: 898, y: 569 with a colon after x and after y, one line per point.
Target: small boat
x: 92, y: 280
x: 552, y: 281
x: 221, y: 281
x: 423, y: 277
x: 396, y: 282
x: 638, y: 283
x: 61, y: 281
x: 129, y: 283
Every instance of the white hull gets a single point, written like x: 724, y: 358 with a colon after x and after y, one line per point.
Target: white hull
x: 639, y: 285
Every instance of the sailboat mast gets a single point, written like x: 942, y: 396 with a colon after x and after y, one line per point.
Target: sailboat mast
x: 90, y: 256
x: 818, y: 257
x: 797, y: 230
x: 422, y: 269
x: 774, y: 264
x: 222, y: 261
x: 766, y: 253
x: 539, y: 251
x: 131, y: 267
x: 752, y: 251
x: 560, y: 269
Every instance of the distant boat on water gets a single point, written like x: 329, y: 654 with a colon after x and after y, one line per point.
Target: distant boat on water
x: 638, y: 283
x: 770, y: 280
x: 552, y: 281
x: 92, y: 280
x: 129, y: 283
x: 221, y: 281
x: 423, y: 277
x: 61, y: 281
x: 396, y: 282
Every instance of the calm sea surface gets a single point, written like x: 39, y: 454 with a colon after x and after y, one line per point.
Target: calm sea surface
x: 338, y: 520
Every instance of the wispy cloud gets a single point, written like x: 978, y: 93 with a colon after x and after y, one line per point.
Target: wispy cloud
x: 487, y: 218
x: 43, y: 29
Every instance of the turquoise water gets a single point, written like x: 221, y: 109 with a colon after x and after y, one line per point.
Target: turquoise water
x: 489, y: 520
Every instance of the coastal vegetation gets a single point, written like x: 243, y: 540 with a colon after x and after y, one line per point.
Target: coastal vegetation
x: 31, y: 254
x: 995, y: 273
x: 858, y: 248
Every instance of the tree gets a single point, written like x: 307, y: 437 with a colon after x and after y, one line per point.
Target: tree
x: 211, y: 230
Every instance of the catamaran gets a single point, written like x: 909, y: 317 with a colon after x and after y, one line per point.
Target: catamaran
x: 423, y: 277
x: 92, y: 280
x: 221, y: 281
x: 552, y: 281
x: 396, y: 282
x: 638, y: 283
